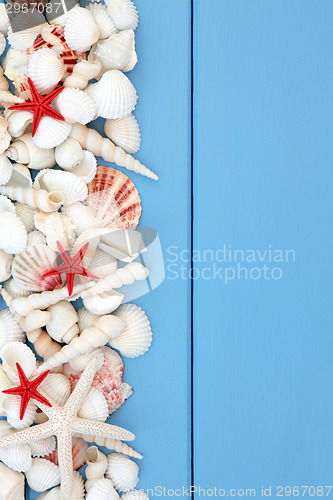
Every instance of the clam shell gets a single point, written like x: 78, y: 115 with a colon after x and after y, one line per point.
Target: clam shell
x: 79, y: 448
x: 18, y: 122
x: 104, y: 22
x: 64, y: 317
x: 57, y: 228
x: 5, y: 136
x: 114, y: 95
x: 86, y: 319
x: 86, y: 169
x: 94, y: 407
x: 6, y: 205
x: 28, y: 269
x: 36, y: 238
x: 102, y: 490
x: 11, y: 287
x: 137, y: 337
x: 122, y: 471
x: 135, y: 495
x: 118, y: 51
x: 12, y: 483
x: 114, y: 199
x: 6, y: 169
x: 5, y: 266
x: 16, y: 457
x: 81, y: 31
x: 43, y: 447
x: 21, y: 176
x: 71, y: 186
x: 75, y: 106
x: 69, y: 154
x: 56, y: 388
x: 103, y: 303
x: 26, y: 215
x: 17, y: 352
x: 14, y: 239
x: 51, y: 132
x: 42, y: 474
x: 9, y: 328
x: 24, y: 28
x: 102, y: 264
x: 45, y: 70
x: 77, y: 492
x: 81, y: 216
x: 12, y: 404
x: 123, y: 13
x: 125, y: 133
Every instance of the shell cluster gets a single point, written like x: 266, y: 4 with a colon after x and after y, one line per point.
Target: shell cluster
x: 77, y: 205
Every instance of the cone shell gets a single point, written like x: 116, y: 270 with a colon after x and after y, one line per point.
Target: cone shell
x: 102, y: 490
x: 42, y: 474
x: 125, y: 133
x: 122, y: 471
x: 9, y: 328
x: 36, y: 238
x: 5, y: 265
x: 11, y: 287
x: 114, y: 95
x: 26, y: 215
x: 43, y: 447
x: 21, y: 176
x: 135, y: 495
x: 45, y: 70
x: 12, y: 404
x: 81, y: 31
x: 123, y: 13
x: 75, y: 106
x: 6, y: 169
x: 81, y: 216
x: 77, y: 492
x: 102, y: 264
x: 4, y: 134
x: 51, y: 132
x: 114, y: 199
x: 28, y: 269
x: 69, y: 154
x: 12, y: 483
x: 104, y: 22
x: 57, y: 228
x: 103, y: 303
x: 94, y: 407
x: 16, y: 457
x: 64, y: 318
x: 118, y: 51
x: 71, y: 186
x: 79, y: 448
x: 137, y: 337
x: 14, y: 239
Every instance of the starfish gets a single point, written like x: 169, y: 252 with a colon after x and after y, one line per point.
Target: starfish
x: 63, y: 422
x: 39, y: 105
x: 71, y: 266
x: 28, y: 390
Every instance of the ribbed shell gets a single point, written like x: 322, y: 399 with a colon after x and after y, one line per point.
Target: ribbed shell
x: 125, y: 133
x: 86, y: 319
x: 79, y: 448
x: 94, y: 407
x: 11, y: 287
x: 6, y: 205
x: 12, y: 405
x: 122, y: 471
x: 72, y: 187
x: 81, y: 216
x: 75, y: 106
x: 123, y: 13
x: 102, y: 264
x: 12, y: 483
x: 26, y: 214
x: 14, y: 239
x: 36, y: 238
x: 137, y: 337
x: 104, y: 22
x: 16, y: 457
x: 43, y: 447
x: 9, y: 329
x: 6, y: 169
x: 17, y: 352
x: 81, y: 31
x: 57, y: 388
x: 77, y: 492
x: 45, y: 70
x: 102, y: 490
x: 5, y: 265
x: 42, y: 474
x: 51, y: 132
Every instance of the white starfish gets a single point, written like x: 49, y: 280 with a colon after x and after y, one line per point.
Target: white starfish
x: 63, y: 422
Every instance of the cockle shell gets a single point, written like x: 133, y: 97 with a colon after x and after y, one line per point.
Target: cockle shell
x: 16, y: 457
x: 5, y: 136
x: 6, y: 205
x: 122, y: 471
x: 21, y: 176
x: 14, y: 239
x: 5, y: 383
x: 56, y: 387
x: 80, y: 363
x: 96, y: 466
x: 51, y: 132
x: 4, y: 19
x: 24, y: 38
x: 81, y: 216
x: 12, y: 404
x: 94, y: 407
x: 45, y: 70
x: 77, y: 492
x: 12, y: 483
x: 57, y: 228
x: 81, y: 31
x: 123, y: 13
x: 102, y: 490
x: 103, y: 303
x: 53, y: 18
x: 17, y: 352
x: 135, y: 495
x: 43, y: 447
x: 9, y: 329
x: 11, y: 287
x: 5, y: 265
x: 114, y: 199
x: 69, y: 154
x: 62, y: 326
x: 118, y: 51
x: 28, y: 269
x: 114, y: 95
x: 71, y: 186
x: 79, y: 448
x: 75, y: 106
x: 26, y: 214
x: 24, y: 150
x: 42, y: 474
x: 36, y: 238
x: 83, y: 72
x: 6, y: 169
x: 137, y: 337
x: 125, y: 133
x: 18, y: 121
x: 102, y: 264
x: 104, y: 22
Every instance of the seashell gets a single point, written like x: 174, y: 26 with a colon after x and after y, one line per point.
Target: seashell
x: 12, y: 404
x: 103, y: 303
x: 91, y: 140
x: 4, y: 85
x: 118, y: 51
x: 112, y: 444
x: 10, y: 331
x: 57, y: 228
x: 18, y: 121
x: 5, y: 265
x: 93, y: 236
x: 45, y: 70
x: 2, y: 43
x: 24, y: 28
x: 96, y: 465
x: 4, y: 19
x: 6, y: 169
x: 22, y: 39
x: 5, y: 428
x: 104, y: 22
x: 102, y: 264
x: 43, y: 344
x: 11, y: 287
x: 51, y: 132
x: 43, y: 447
x: 122, y: 471
x: 12, y: 483
x: 36, y: 319
x: 114, y: 199
x: 5, y: 383
x: 72, y: 188
x: 57, y: 20
x: 83, y: 72
x: 102, y: 490
x: 123, y: 13
x: 36, y: 238
x: 86, y: 169
x: 25, y: 150
x: 81, y: 31
x: 86, y: 319
x: 62, y: 326
x: 125, y: 133
x: 77, y: 491
x: 17, y: 457
x: 69, y: 154
x: 134, y: 495
x: 137, y: 337
x: 28, y: 269
x: 56, y: 387
x: 6, y: 205
x: 81, y: 216
x: 42, y: 474
x: 17, y: 352
x: 94, y: 407
x: 7, y: 98
x: 79, y: 448
x: 21, y: 177
x: 126, y: 391
x: 26, y: 214
x: 80, y: 363
x: 114, y: 95
x: 5, y: 136
x: 75, y: 106
x: 14, y: 239
x: 35, y: 198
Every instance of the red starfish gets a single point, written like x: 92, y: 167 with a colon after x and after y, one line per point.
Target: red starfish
x: 71, y: 266
x: 39, y: 105
x: 28, y: 390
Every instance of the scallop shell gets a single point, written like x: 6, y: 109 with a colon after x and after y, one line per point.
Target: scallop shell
x: 125, y: 133
x: 69, y: 154
x: 42, y: 474
x: 16, y: 457
x: 56, y: 388
x: 75, y: 106
x: 94, y: 407
x: 12, y: 483
x: 21, y: 176
x: 77, y: 492
x: 123, y: 13
x: 114, y: 95
x: 122, y: 471
x: 43, y: 447
x: 114, y: 199
x: 9, y: 328
x: 24, y: 28
x: 22, y: 39
x: 104, y: 22
x: 102, y: 264
x: 134, y: 495
x: 118, y: 51
x: 82, y: 217
x: 45, y: 70
x: 103, y: 303
x: 57, y: 228
x: 79, y: 448
x: 81, y: 31
x: 6, y: 169
x: 28, y: 269
x: 6, y: 205
x: 86, y: 319
x: 14, y: 239
x: 4, y: 134
x: 36, y: 238
x: 11, y: 287
x: 5, y: 265
x: 18, y: 122
x: 102, y: 490
x: 12, y: 404
x: 137, y: 337
x: 17, y: 352
x: 71, y: 186
x: 57, y: 20
x: 26, y: 215
x: 62, y: 326
x: 51, y: 132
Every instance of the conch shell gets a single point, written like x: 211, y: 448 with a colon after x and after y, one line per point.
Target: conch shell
x: 24, y: 150
x: 35, y: 198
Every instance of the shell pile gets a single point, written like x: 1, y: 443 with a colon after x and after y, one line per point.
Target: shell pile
x: 76, y: 205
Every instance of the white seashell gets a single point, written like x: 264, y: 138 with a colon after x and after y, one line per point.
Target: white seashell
x: 102, y: 490
x: 83, y: 72
x: 14, y: 239
x: 94, y: 407
x: 125, y: 133
x: 104, y: 22
x: 12, y: 483
x: 6, y: 169
x: 126, y: 391
x: 45, y: 70
x: 69, y: 154
x: 5, y: 428
x: 23, y: 39
x: 96, y: 466
x: 25, y: 150
x: 57, y: 20
x: 56, y: 388
x: 36, y: 319
x: 11, y: 287
x: 21, y: 176
x: 123, y: 13
x: 81, y: 216
x: 75, y: 106
x: 122, y: 471
x: 35, y: 198
x: 26, y: 214
x: 134, y: 495
x: 102, y: 264
x: 5, y: 265
x: 17, y: 352
x: 136, y: 338
x: 62, y: 326
x: 103, y: 303
x: 2, y: 43
x: 51, y: 132
x: 28, y: 269
x: 4, y: 19
x: 114, y: 95
x: 42, y: 474
x: 9, y: 329
x: 12, y: 404
x: 18, y: 121
x: 44, y: 346
x: 5, y: 136
x: 57, y: 228
x: 43, y: 447
x: 77, y: 492
x: 80, y: 363
x: 36, y: 238
x: 16, y: 457
x: 81, y: 31
x: 5, y: 383
x: 71, y: 186
x: 24, y: 28
x: 118, y: 51
x: 6, y: 205
x: 87, y: 168
x: 86, y: 319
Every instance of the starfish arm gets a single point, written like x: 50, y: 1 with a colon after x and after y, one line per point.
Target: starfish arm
x: 25, y: 106
x: 78, y: 396
x: 83, y: 272
x: 63, y: 254
x: 36, y: 120
x: 58, y: 270
x: 51, y: 112
x: 18, y: 391
x: 81, y: 253
x: 34, y: 94
x: 70, y: 282
x: 38, y: 397
x: 23, y: 378
x: 38, y: 380
x: 39, y: 431
x: 52, y: 95
x: 65, y: 459
x: 100, y: 429
x: 24, y: 403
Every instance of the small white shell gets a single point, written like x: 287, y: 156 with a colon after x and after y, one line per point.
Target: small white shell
x: 122, y: 471
x: 56, y: 388
x: 62, y: 326
x: 17, y: 352
x: 14, y: 239
x: 94, y: 407
x: 6, y: 169
x: 51, y: 132
x: 134, y: 495
x: 6, y: 205
x: 86, y: 319
x: 104, y: 22
x: 104, y: 303
x: 5, y: 383
x: 71, y: 186
x: 57, y: 228
x: 9, y: 328
x: 102, y: 264
x: 137, y: 337
x: 82, y: 217
x: 35, y: 320
x: 12, y: 404
x: 96, y: 466
x: 102, y: 490
x: 42, y: 474
x: 36, y: 238
x: 18, y: 121
x: 45, y: 70
x: 69, y: 154
x: 5, y: 266
x: 118, y: 51
x: 125, y: 133
x: 5, y: 137
x: 75, y: 106
x: 77, y: 492
x: 17, y: 457
x: 86, y: 169
x: 43, y: 447
x: 123, y: 13
x: 26, y: 215
x: 21, y: 176
x: 11, y: 287
x: 12, y: 483
x: 81, y: 31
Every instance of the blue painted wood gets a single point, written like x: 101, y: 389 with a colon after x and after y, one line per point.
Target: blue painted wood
x: 263, y: 407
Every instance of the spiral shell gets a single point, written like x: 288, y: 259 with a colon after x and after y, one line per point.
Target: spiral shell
x: 118, y: 51
x: 72, y: 187
x: 75, y: 106
x: 81, y: 31
x: 62, y: 326
x: 6, y: 169
x: 123, y: 13
x: 45, y: 70
x: 83, y: 72
x: 9, y: 329
x: 122, y: 471
x: 43, y: 344
x: 102, y: 490
x: 69, y: 154
x: 125, y: 133
x: 12, y: 483
x: 42, y: 474
x: 25, y: 150
x: 14, y: 239
x: 103, y: 303
x: 96, y: 466
x: 16, y: 457
x: 35, y: 198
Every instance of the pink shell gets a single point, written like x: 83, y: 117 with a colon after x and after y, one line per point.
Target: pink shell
x: 79, y: 448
